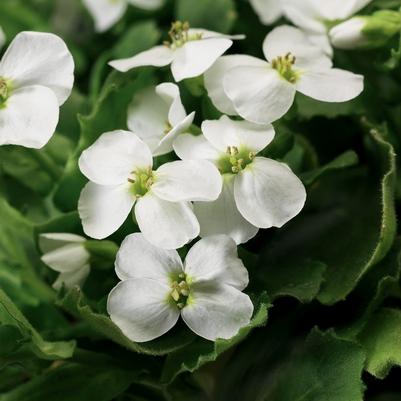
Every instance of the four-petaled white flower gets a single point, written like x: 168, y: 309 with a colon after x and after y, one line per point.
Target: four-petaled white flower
x: 119, y: 166
x: 36, y: 77
x: 66, y: 254
x: 268, y: 11
x: 157, y: 116
x: 257, y: 192
x: 190, y: 52
x: 157, y: 288
x: 316, y: 17
x: 107, y: 12
x: 263, y: 91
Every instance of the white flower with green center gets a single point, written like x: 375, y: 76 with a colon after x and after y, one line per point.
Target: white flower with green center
x: 268, y: 11
x: 189, y: 51
x: 157, y: 288
x: 316, y: 17
x: 36, y: 77
x: 119, y: 166
x: 257, y: 192
x: 107, y: 12
x: 66, y: 254
x: 157, y: 116
x: 263, y: 91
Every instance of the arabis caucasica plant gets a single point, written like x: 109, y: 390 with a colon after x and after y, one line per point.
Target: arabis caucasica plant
x: 257, y: 192
x: 36, y: 77
x: 157, y: 288
x: 189, y: 51
x: 66, y: 254
x: 263, y: 91
x: 107, y: 12
x: 157, y: 116
x: 119, y: 166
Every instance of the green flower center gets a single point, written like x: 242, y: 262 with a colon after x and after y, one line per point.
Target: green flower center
x: 235, y: 160
x: 284, y: 66
x: 179, y: 35
x: 180, y: 290
x: 141, y: 182
x: 5, y: 89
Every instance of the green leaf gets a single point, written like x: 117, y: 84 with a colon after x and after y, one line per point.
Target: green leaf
x: 18, y: 334
x: 216, y: 15
x: 195, y: 355
x: 103, y: 327
x: 325, y: 368
x: 382, y: 342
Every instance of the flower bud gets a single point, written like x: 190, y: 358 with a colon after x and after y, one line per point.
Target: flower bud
x: 366, y: 31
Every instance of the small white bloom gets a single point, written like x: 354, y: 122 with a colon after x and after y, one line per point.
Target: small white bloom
x: 157, y: 116
x: 66, y: 254
x: 263, y: 91
x: 2, y: 38
x: 36, y: 77
x: 119, y: 166
x: 317, y: 16
x: 257, y: 192
x: 348, y: 35
x: 268, y: 11
x: 190, y: 52
x: 156, y: 288
x: 107, y: 12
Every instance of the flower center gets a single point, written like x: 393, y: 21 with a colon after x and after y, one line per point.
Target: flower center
x: 141, y: 181
x: 235, y: 160
x: 179, y: 35
x: 5, y: 89
x: 167, y: 128
x: 284, y: 66
x: 180, y: 290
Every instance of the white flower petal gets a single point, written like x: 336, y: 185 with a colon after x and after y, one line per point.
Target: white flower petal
x: 259, y: 94
x: 105, y: 12
x: 103, y: 209
x: 111, y: 159
x: 306, y: 14
x: 268, y: 194
x: 165, y: 145
x: 213, y: 79
x: 225, y: 132
x: 29, y: 117
x: 147, y: 4
x: 140, y: 308
x: 340, y: 9
x: 191, y: 147
x: 322, y: 41
x: 287, y: 39
x: 138, y: 258
x: 36, y: 58
x: 67, y: 258
x: 196, y: 56
x: 349, y: 35
x: 72, y: 278
x: 206, y: 34
x: 188, y: 180
x: 168, y: 225
x: 215, y: 259
x: 158, y: 56
x: 222, y: 216
x: 332, y: 85
x: 51, y: 241
x: 217, y: 311
x: 268, y: 11
x: 170, y: 93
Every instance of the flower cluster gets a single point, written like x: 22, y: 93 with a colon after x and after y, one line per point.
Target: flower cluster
x: 216, y: 182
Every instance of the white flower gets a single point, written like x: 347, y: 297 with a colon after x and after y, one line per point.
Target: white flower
x: 119, y: 166
x: 157, y: 116
x: 36, y: 77
x: 2, y: 38
x: 263, y: 91
x: 317, y: 16
x: 157, y: 288
x: 107, y: 12
x: 66, y: 254
x: 268, y: 11
x: 190, y: 52
x: 257, y: 192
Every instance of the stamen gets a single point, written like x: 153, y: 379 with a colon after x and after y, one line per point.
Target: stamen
x: 235, y: 160
x: 284, y: 66
x: 4, y: 91
x: 180, y: 290
x: 141, y: 182
x: 179, y: 35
